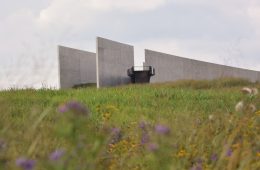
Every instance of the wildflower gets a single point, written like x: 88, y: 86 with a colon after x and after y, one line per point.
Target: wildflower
x: 106, y: 116
x: 142, y: 125
x: 258, y: 154
x: 153, y: 147
x: 2, y: 144
x: 133, y: 144
x: 74, y: 107
x: 161, y: 129
x: 211, y: 117
x: 116, y: 131
x: 111, y: 148
x: 56, y: 155
x: 63, y: 108
x: 77, y: 107
x: 258, y: 113
x: 181, y: 153
x: 236, y: 145
x: 145, y: 138
x: 254, y: 91
x: 214, y: 157
x: 116, y: 135
x: 251, y: 91
x: 229, y: 152
x: 25, y: 164
x: 239, y: 107
x: 246, y: 90
x: 199, y: 161
x: 252, y: 108
x: 197, y: 167
x: 198, y: 122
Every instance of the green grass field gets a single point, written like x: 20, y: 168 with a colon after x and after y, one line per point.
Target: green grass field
x: 181, y: 125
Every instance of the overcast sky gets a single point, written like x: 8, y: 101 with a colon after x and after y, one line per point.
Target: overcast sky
x: 221, y: 31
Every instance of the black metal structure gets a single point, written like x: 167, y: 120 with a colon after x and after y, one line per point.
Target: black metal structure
x: 141, y: 74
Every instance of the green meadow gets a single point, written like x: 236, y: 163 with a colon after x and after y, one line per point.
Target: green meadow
x: 184, y: 125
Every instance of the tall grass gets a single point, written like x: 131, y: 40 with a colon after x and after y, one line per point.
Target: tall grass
x: 181, y: 125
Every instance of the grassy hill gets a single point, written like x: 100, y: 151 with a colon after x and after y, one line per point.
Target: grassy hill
x: 181, y: 125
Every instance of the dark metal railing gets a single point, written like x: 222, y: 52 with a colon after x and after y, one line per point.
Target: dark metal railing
x: 141, y: 74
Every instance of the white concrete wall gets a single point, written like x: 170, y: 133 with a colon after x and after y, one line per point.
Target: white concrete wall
x: 171, y: 68
x: 113, y: 60
x: 76, y: 67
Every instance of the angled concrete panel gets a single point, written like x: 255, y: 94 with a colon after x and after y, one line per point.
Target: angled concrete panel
x: 165, y: 68
x: 171, y: 68
x: 113, y: 60
x: 76, y: 67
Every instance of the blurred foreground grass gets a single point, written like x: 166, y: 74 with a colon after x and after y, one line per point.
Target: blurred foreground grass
x: 181, y: 125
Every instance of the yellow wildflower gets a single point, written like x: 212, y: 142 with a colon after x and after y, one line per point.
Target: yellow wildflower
x: 182, y: 153
x: 106, y: 116
x: 236, y: 145
x: 111, y: 148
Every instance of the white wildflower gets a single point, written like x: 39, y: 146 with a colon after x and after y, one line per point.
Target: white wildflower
x: 239, y: 107
x: 252, y: 108
x: 211, y: 117
x: 254, y: 91
x: 246, y: 90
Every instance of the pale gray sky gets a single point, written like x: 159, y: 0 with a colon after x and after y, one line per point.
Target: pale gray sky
x: 220, y: 31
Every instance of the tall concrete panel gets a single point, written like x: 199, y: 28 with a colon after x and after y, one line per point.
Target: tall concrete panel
x: 76, y: 67
x: 171, y: 68
x: 113, y: 60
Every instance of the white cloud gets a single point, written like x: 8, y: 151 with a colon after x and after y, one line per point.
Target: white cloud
x: 254, y: 14
x: 77, y: 14
x: 62, y: 14
x: 27, y: 57
x: 129, y: 5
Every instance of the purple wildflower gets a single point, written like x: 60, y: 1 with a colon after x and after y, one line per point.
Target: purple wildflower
x: 229, y: 152
x: 115, y: 131
x: 2, y: 144
x: 197, y: 167
x: 145, y: 138
x: 25, y: 164
x: 153, y: 147
x: 56, y: 155
x: 214, y: 157
x: 63, y: 108
x: 116, y: 135
x: 142, y: 125
x: 77, y: 107
x: 161, y: 129
x: 199, y: 161
x: 73, y: 106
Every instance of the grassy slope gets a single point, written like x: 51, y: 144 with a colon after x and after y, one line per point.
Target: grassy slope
x: 31, y: 126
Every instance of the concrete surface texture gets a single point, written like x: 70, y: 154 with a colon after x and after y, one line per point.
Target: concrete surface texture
x: 76, y: 67
x: 113, y: 60
x: 171, y: 68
